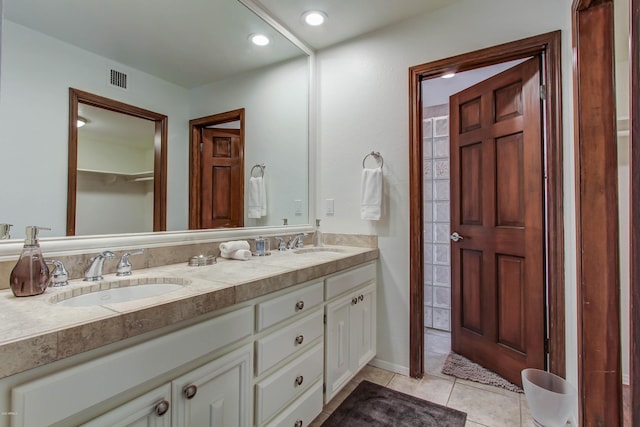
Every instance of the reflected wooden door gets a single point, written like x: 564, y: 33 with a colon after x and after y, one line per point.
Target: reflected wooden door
x: 222, y: 184
x: 497, y: 205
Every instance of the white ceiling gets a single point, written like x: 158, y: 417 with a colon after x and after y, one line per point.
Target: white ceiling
x: 346, y: 18
x: 194, y: 42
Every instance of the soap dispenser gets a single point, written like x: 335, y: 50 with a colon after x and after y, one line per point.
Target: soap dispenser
x: 317, y: 236
x: 30, y: 275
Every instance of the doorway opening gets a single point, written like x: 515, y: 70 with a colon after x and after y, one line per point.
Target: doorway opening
x: 216, y: 171
x: 546, y: 47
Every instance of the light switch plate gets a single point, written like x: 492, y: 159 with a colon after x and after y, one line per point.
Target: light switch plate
x: 297, y: 210
x: 329, y: 206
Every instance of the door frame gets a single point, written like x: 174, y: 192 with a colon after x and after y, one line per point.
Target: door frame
x: 195, y: 207
x: 634, y: 259
x: 548, y: 47
x: 597, y: 241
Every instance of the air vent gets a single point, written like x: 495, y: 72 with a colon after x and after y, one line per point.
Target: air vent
x: 117, y: 78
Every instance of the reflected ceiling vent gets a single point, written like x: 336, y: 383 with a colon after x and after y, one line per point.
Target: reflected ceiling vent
x: 117, y: 78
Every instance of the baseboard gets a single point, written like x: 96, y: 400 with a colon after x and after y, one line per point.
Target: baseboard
x: 392, y: 367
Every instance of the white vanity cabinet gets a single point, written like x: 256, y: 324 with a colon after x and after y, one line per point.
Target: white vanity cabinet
x: 350, y: 337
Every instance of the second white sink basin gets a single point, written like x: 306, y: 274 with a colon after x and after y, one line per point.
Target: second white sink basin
x: 123, y: 294
x: 312, y: 249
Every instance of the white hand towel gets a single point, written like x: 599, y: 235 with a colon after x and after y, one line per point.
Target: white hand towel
x: 263, y: 198
x: 254, y: 205
x: 371, y: 194
x: 241, y: 254
x: 234, y: 245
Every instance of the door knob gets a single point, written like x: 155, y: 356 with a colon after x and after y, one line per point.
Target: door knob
x: 455, y: 236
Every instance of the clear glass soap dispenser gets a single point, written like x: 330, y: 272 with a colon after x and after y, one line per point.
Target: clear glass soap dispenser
x: 317, y: 235
x: 30, y: 275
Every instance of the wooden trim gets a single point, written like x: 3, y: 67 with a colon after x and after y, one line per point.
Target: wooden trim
x: 599, y: 372
x: 195, y: 205
x: 545, y: 45
x: 160, y: 157
x: 634, y: 261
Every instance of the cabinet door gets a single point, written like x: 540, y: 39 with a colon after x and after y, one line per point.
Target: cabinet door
x: 216, y: 394
x: 152, y: 409
x: 362, y: 332
x: 337, y: 366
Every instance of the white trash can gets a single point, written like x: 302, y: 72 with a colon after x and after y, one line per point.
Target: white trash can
x: 551, y: 399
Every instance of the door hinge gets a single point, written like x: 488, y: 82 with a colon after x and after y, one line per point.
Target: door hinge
x: 546, y: 345
x: 201, y: 147
x: 325, y: 319
x: 324, y: 387
x: 543, y: 91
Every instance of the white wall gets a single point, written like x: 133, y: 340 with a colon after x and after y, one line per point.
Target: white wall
x: 363, y: 106
x: 37, y: 72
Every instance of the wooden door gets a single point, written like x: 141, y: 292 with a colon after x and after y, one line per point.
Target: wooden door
x: 222, y: 182
x: 497, y: 205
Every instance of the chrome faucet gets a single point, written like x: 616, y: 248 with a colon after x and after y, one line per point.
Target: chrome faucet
x: 282, y: 245
x: 94, y: 272
x: 59, y: 276
x: 124, y: 266
x: 296, y: 241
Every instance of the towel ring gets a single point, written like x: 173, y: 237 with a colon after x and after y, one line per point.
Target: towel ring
x: 376, y: 155
x: 261, y: 167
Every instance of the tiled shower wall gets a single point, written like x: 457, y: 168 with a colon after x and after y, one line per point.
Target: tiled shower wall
x: 437, y: 263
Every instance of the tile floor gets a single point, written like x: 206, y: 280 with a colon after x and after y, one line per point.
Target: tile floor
x: 485, y: 405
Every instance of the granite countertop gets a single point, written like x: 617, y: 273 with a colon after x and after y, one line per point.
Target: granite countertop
x: 35, y: 331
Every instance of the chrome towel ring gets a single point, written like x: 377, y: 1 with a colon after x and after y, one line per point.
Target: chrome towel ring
x: 261, y: 167
x: 376, y: 155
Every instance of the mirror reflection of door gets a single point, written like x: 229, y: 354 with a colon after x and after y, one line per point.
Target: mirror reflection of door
x: 115, y: 173
x: 117, y: 167
x: 217, y: 171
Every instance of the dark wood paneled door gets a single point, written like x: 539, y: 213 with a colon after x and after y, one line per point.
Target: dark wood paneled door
x: 497, y: 205
x: 222, y: 194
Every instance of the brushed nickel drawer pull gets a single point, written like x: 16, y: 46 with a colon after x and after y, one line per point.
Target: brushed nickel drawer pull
x: 361, y: 297
x: 190, y: 391
x: 299, y: 305
x: 298, y: 423
x: 299, y: 339
x: 299, y: 380
x: 354, y: 300
x: 161, y: 408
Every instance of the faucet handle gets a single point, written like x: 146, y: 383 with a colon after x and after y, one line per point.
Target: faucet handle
x: 103, y: 255
x: 59, y: 276
x: 282, y: 245
x: 124, y: 266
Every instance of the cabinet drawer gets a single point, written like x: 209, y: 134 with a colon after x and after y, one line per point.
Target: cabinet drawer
x: 288, y: 383
x: 46, y: 401
x: 283, y: 307
x: 303, y: 411
x: 278, y: 345
x: 344, y: 282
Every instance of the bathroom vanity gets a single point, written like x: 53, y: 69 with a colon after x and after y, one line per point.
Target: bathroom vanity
x: 264, y: 342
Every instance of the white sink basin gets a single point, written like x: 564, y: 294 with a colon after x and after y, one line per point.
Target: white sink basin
x: 123, y: 294
x: 312, y: 249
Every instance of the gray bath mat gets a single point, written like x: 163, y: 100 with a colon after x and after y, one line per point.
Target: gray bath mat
x: 372, y: 405
x: 463, y: 368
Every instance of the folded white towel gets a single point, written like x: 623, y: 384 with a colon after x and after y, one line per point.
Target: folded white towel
x: 234, y: 245
x: 257, y: 198
x: 263, y: 198
x: 241, y: 254
x: 371, y: 194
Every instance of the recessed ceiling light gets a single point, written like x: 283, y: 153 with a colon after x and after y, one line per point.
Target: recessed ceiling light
x: 314, y: 18
x: 259, y: 39
x: 448, y: 75
x: 81, y: 122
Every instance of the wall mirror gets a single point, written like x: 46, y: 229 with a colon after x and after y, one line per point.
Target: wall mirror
x: 183, y: 60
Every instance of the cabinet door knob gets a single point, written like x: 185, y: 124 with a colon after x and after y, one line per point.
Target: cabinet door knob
x: 298, y: 423
x: 161, y: 408
x: 299, y: 339
x: 354, y: 300
x: 190, y: 391
x: 299, y: 380
x: 300, y: 305
x: 361, y: 297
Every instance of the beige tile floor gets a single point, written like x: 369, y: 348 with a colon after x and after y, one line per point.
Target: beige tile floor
x: 486, y: 406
